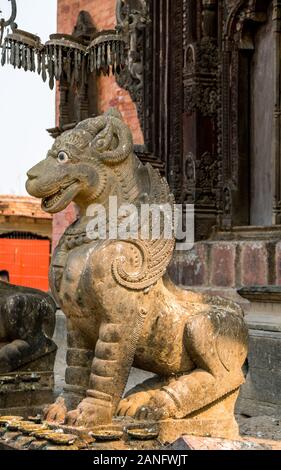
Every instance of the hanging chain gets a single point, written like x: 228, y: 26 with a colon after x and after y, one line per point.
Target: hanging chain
x: 10, y: 22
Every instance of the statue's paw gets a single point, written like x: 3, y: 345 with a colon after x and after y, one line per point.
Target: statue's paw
x: 89, y: 414
x: 72, y: 417
x: 56, y: 413
x: 129, y: 406
x: 160, y: 406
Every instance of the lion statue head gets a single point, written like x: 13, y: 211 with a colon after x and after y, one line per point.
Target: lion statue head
x: 82, y: 164
x: 94, y: 161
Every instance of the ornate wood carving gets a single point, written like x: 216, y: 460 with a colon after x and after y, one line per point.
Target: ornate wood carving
x: 175, y: 103
x: 240, y: 21
x: 189, y: 77
x: 201, y: 109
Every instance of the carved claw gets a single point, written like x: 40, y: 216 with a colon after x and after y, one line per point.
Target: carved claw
x: 89, y: 413
x: 130, y: 406
x: 56, y: 413
x: 160, y: 406
x: 72, y: 417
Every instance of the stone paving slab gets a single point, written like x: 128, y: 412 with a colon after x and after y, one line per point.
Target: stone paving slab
x: 207, y: 443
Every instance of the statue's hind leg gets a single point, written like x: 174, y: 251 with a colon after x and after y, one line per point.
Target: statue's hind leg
x: 217, y: 344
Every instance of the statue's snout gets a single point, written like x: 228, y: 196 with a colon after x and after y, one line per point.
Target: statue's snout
x: 33, y: 176
x: 35, y: 171
x: 30, y: 175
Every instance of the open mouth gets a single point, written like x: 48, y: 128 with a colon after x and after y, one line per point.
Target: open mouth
x: 62, y: 195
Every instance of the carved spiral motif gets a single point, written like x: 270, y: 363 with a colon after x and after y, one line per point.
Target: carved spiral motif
x: 108, y: 132
x: 155, y: 257
x: 152, y: 257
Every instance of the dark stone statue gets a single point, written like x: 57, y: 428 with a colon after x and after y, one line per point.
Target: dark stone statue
x: 27, y: 321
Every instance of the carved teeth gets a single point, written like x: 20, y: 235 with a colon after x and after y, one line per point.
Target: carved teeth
x: 51, y: 200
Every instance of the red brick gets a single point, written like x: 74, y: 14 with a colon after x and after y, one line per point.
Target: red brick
x: 25, y: 206
x: 190, y: 268
x: 254, y: 264
x: 61, y: 221
x: 222, y: 265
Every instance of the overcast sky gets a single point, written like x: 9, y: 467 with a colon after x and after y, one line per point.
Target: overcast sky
x: 27, y: 106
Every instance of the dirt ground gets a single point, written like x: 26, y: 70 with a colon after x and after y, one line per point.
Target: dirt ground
x: 262, y: 427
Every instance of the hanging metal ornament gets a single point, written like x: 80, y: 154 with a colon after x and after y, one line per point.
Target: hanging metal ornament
x: 20, y: 49
x: 65, y: 55
x: 10, y: 21
x: 107, y: 53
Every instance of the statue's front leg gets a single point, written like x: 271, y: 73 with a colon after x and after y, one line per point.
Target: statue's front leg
x: 114, y: 354
x: 23, y: 314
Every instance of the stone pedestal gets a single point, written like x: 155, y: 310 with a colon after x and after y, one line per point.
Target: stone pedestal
x: 261, y: 394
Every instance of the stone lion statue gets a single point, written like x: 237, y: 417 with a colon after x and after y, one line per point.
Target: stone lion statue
x: 117, y: 294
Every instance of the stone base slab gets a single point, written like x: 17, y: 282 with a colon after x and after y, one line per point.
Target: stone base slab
x: 207, y: 443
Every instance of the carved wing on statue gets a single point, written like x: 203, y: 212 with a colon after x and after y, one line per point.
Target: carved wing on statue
x: 146, y: 260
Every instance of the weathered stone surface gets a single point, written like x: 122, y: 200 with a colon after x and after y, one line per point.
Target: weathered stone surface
x: 60, y: 338
x: 253, y: 408
x: 265, y: 351
x: 260, y: 396
x: 207, y: 443
x: 121, y: 304
x: 79, y: 357
x: 27, y: 316
x: 78, y: 375
x: 262, y: 294
x: 216, y: 420
x: 27, y: 353
x: 262, y: 390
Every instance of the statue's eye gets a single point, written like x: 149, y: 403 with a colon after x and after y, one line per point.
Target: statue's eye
x: 62, y: 157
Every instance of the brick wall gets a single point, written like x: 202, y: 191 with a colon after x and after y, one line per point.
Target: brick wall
x: 110, y: 94
x: 229, y: 264
x: 61, y: 221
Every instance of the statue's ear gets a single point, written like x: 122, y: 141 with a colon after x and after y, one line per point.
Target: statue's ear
x: 114, y: 112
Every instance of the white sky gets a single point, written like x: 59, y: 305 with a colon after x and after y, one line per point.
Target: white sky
x: 27, y: 105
